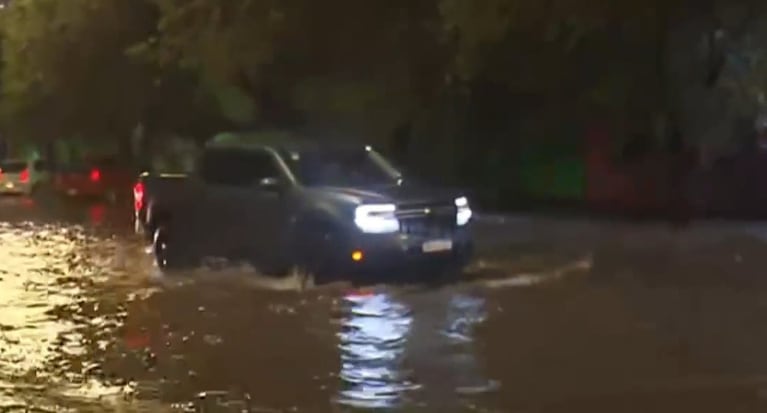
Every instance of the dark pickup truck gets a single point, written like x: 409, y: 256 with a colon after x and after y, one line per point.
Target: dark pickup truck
x: 286, y: 204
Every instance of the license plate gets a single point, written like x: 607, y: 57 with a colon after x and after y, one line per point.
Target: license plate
x: 9, y: 185
x: 437, y: 245
x: 71, y: 192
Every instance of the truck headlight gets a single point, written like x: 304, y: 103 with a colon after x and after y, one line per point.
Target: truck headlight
x: 463, y: 214
x: 376, y: 218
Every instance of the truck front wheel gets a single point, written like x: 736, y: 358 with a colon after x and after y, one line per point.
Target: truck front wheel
x: 317, y: 249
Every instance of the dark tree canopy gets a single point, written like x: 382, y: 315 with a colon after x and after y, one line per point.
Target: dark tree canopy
x: 98, y: 68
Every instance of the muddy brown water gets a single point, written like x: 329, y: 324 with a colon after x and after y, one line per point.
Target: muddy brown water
x: 555, y: 317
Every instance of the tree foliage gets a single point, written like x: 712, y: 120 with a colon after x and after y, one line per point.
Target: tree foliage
x: 479, y: 27
x: 100, y: 67
x: 65, y: 71
x: 265, y: 60
x: 304, y: 56
x: 69, y: 71
x: 605, y: 52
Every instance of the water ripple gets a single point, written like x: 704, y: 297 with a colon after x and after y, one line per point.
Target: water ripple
x: 84, y: 328
x: 385, y: 344
x: 57, y: 323
x: 372, y: 344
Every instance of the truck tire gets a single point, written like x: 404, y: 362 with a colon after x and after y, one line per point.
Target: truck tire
x: 316, y: 244
x: 153, y: 217
x: 166, y: 254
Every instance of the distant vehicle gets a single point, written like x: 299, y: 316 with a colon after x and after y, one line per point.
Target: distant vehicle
x: 102, y: 178
x: 22, y: 176
x: 286, y: 204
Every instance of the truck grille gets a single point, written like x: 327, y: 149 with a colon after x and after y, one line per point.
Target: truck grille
x: 425, y: 220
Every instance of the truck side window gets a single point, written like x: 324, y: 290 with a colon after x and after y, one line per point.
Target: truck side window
x: 237, y: 167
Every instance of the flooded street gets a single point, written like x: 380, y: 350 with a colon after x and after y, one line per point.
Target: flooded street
x: 566, y: 316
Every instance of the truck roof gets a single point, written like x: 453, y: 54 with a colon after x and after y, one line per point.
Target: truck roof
x: 279, y: 140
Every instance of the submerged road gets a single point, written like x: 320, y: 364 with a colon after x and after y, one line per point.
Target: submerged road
x: 556, y: 316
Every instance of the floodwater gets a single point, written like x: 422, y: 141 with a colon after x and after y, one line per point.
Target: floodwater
x: 556, y: 316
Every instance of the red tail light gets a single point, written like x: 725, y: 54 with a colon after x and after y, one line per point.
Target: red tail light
x: 95, y: 175
x: 138, y: 196
x: 24, y: 176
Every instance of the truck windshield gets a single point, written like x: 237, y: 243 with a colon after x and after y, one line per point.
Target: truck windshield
x: 344, y: 166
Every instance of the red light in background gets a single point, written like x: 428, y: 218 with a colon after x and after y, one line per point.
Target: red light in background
x: 24, y: 176
x: 95, y: 175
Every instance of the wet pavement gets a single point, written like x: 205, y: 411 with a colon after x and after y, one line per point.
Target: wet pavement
x: 556, y: 316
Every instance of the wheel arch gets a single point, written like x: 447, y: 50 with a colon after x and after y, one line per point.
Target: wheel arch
x: 156, y: 215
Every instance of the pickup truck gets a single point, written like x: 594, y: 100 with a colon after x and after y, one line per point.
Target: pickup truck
x: 287, y: 204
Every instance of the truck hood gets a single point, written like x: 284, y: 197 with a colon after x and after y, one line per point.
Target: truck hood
x: 397, y: 194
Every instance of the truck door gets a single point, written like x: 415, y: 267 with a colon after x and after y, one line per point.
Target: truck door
x: 248, y: 216
x: 264, y: 205
x: 216, y: 202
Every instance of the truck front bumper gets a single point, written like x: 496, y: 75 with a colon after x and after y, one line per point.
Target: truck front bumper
x: 393, y: 252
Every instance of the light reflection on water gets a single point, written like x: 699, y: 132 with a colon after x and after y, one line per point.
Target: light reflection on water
x: 372, y: 347
x: 393, y: 355
x: 53, y: 331
x: 30, y: 290
x: 83, y: 328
